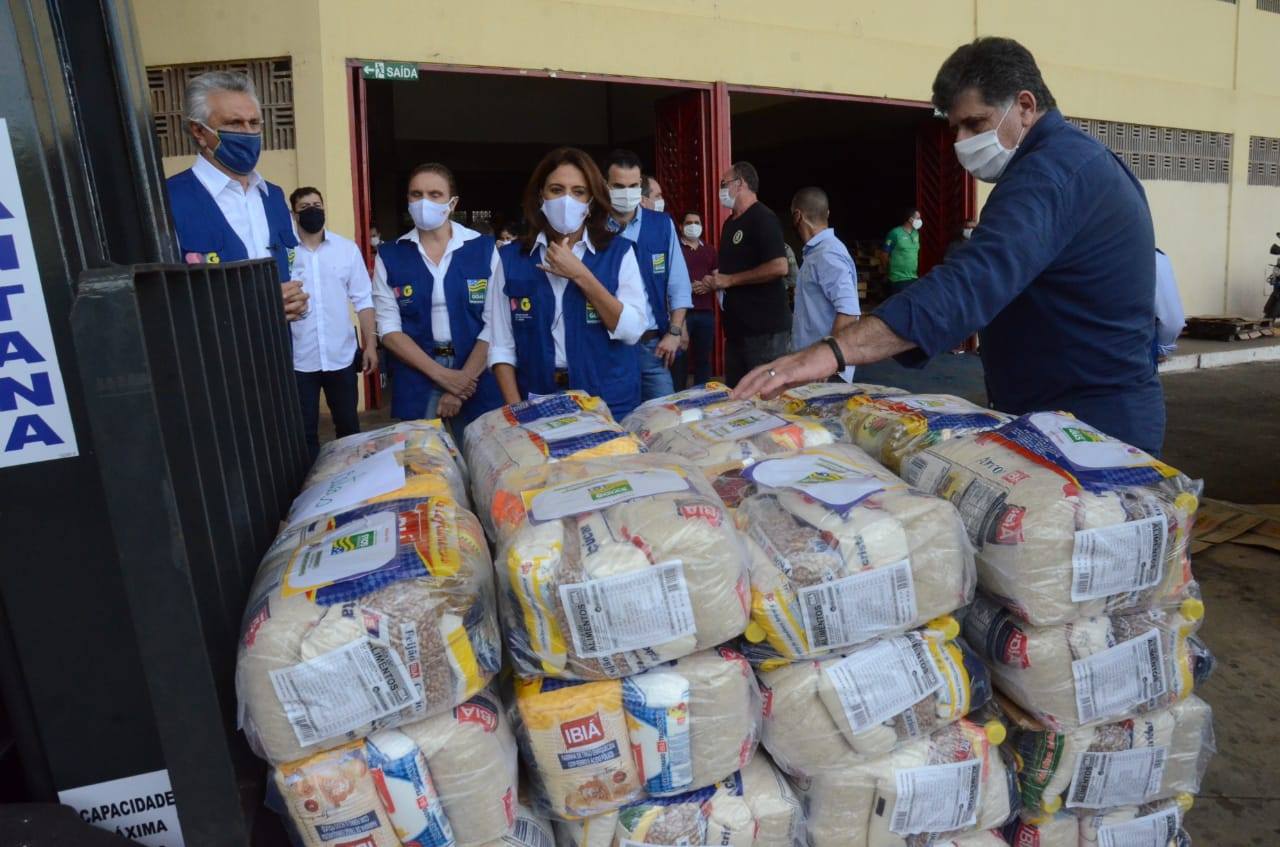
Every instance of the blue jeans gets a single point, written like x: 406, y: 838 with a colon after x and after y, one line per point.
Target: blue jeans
x: 655, y: 379
x: 454, y: 424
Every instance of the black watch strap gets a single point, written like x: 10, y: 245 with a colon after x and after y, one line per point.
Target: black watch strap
x: 835, y: 348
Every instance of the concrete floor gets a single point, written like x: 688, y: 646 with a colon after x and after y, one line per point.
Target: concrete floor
x: 1223, y: 428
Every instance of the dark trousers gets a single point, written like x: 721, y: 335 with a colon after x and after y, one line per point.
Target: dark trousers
x: 741, y: 355
x: 339, y: 393
x: 702, y: 338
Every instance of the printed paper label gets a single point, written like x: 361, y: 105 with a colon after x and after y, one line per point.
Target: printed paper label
x: 601, y: 492
x: 1085, y: 447
x: 937, y: 798
x: 343, y: 690
x: 351, y: 550
x: 1157, y: 830
x: 141, y: 808
x: 628, y: 611
x: 938, y: 404
x: 884, y: 680
x: 926, y: 472
x: 734, y: 427
x: 826, y: 480
x: 1112, y: 683
x: 1126, y: 778
x: 366, y: 479
x: 567, y: 426
x: 1117, y: 559
x: 858, y: 607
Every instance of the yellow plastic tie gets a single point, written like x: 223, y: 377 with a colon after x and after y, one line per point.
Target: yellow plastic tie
x: 1052, y: 804
x: 1192, y: 608
x: 996, y: 732
x: 1186, y: 502
x: 1185, y: 802
x: 755, y: 633
x: 947, y: 625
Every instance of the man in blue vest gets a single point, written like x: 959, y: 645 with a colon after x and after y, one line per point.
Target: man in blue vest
x: 666, y: 278
x: 223, y: 210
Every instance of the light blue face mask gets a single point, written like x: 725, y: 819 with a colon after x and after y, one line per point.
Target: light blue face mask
x: 237, y: 151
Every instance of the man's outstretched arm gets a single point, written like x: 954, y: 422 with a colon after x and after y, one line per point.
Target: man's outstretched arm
x: 862, y: 343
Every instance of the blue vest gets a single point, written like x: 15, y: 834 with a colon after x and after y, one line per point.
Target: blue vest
x: 597, y: 364
x: 204, y: 231
x: 465, y: 286
x: 652, y: 248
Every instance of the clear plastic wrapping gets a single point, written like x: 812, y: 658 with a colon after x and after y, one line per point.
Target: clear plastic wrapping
x: 662, y: 413
x: 423, y: 436
x: 932, y: 789
x: 755, y: 807
x: 534, y: 409
x: 826, y: 399
x: 893, y: 429
x: 447, y: 780
x: 562, y: 426
x: 592, y: 747
x: 723, y: 446
x: 413, y: 460
x: 841, y: 551
x: 826, y: 713
x: 609, y: 567
x: 1155, y: 756
x: 365, y: 619
x: 1092, y: 671
x: 1067, y: 522
x: 1156, y: 824
x: 529, y: 830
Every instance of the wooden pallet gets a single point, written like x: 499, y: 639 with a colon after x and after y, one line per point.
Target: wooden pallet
x: 1229, y: 328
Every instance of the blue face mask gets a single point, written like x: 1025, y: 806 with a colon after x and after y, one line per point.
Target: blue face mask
x: 237, y: 151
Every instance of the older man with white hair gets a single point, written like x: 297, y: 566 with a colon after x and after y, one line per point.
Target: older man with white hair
x: 223, y: 210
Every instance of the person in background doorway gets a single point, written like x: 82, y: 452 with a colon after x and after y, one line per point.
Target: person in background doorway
x: 752, y: 263
x: 430, y: 288
x: 965, y: 232
x: 223, y: 210
x: 1059, y: 277
x: 900, y: 253
x: 325, y: 354
x: 1170, y: 319
x: 827, y: 289
x: 509, y: 232
x: 651, y: 194
x: 572, y: 303
x: 375, y: 237
x: 662, y: 266
x: 700, y: 321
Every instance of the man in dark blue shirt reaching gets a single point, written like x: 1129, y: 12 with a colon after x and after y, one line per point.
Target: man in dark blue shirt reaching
x: 1058, y: 277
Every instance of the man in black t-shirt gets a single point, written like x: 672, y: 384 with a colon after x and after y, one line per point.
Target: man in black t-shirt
x: 753, y: 262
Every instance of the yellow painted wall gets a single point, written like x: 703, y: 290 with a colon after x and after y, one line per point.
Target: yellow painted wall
x: 1198, y: 64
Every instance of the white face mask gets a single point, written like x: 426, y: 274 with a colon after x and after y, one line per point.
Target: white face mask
x: 968, y: 231
x: 375, y: 240
x: 565, y: 213
x: 625, y: 200
x: 917, y: 223
x: 659, y: 205
x: 726, y: 199
x: 983, y: 155
x: 429, y: 215
x: 693, y: 231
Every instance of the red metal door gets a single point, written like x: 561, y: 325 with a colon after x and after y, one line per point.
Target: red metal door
x: 945, y: 192
x: 357, y: 101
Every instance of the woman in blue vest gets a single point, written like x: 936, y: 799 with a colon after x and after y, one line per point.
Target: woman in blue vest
x: 429, y: 292
x: 572, y: 303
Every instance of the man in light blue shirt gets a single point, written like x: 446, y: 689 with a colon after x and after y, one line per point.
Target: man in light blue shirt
x: 662, y: 265
x: 827, y: 287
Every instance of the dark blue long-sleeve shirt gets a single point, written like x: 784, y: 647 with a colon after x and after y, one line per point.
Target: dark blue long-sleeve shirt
x: 1058, y: 277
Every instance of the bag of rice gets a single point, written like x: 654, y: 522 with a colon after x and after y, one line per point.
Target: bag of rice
x: 662, y: 413
x: 893, y: 429
x: 826, y: 399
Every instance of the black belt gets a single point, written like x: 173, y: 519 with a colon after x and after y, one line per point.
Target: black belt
x: 561, y: 377
x: 442, y: 350
x: 650, y: 335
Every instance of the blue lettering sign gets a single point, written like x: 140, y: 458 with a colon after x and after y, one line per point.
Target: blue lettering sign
x: 39, y: 393
x: 8, y: 253
x: 7, y: 291
x: 30, y: 429
x: 14, y: 346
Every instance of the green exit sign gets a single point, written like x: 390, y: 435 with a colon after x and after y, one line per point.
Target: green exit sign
x: 394, y: 71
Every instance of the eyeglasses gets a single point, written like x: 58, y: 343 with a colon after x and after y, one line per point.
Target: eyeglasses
x: 724, y: 184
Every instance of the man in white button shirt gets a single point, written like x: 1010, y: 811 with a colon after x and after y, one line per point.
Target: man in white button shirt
x: 334, y: 276
x: 223, y: 210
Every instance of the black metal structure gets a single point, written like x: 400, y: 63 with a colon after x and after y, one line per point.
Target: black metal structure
x: 125, y: 569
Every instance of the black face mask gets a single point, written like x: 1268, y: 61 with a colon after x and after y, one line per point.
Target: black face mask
x: 311, y: 220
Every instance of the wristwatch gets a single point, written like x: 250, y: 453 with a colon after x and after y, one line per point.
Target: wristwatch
x: 675, y: 330
x: 831, y: 342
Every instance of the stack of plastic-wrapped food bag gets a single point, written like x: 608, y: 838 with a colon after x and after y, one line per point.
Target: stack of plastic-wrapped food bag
x: 367, y: 649
x: 868, y: 688
x: 1086, y: 617
x: 894, y: 428
x: 660, y: 414
x: 825, y: 399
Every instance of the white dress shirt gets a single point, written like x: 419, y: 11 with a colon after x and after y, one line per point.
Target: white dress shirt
x: 334, y: 274
x: 243, y: 208
x: 384, y: 299
x: 1170, y: 319
x: 631, y: 293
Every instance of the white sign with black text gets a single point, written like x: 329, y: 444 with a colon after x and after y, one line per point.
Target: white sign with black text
x: 139, y: 807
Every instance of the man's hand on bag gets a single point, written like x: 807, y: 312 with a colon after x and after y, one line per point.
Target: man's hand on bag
x: 295, y: 300
x: 768, y: 381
